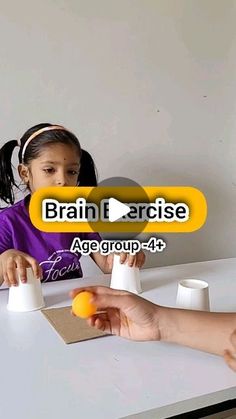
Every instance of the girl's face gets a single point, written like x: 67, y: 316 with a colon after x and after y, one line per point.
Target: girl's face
x: 57, y: 165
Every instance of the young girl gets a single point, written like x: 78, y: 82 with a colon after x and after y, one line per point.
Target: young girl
x: 49, y: 155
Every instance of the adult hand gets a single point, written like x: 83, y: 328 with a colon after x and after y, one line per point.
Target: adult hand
x: 123, y: 314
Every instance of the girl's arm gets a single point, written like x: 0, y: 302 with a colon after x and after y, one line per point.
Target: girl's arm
x: 103, y: 262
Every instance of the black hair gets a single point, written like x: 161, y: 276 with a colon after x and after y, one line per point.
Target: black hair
x: 88, y: 172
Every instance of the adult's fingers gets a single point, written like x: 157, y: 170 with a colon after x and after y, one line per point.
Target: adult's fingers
x: 100, y: 322
x: 104, y: 297
x: 106, y: 301
x: 98, y: 290
x: 103, y: 316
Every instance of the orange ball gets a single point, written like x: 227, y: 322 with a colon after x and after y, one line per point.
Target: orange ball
x: 81, y: 305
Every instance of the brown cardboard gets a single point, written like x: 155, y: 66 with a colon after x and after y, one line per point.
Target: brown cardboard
x: 72, y: 329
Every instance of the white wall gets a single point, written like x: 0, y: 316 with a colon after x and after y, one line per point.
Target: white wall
x: 148, y: 87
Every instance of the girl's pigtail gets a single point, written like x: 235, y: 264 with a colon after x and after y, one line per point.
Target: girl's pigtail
x: 7, y: 181
x: 88, y: 171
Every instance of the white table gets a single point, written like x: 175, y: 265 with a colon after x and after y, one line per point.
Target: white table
x: 106, y: 378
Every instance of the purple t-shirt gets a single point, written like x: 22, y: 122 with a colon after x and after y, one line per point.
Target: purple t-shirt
x: 51, y: 250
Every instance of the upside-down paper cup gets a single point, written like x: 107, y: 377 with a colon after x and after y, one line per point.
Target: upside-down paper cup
x: 124, y: 277
x: 26, y: 296
x: 193, y: 294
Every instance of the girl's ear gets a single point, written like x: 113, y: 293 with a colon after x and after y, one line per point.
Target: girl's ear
x: 23, y: 173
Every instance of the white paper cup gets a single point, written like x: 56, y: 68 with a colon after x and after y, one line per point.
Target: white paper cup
x: 27, y: 296
x: 193, y: 294
x: 124, y: 277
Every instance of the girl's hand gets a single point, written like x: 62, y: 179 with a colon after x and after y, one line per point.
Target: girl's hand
x: 136, y: 260
x: 12, y: 259
x: 124, y: 314
x: 229, y: 357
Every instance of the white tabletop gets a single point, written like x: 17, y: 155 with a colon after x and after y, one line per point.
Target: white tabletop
x: 110, y: 377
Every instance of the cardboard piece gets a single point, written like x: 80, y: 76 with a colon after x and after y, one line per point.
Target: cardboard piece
x: 72, y: 329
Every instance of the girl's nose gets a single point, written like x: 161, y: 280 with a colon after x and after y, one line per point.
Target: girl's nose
x: 61, y: 181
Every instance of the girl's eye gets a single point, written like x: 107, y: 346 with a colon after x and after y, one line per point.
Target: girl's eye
x: 73, y: 172
x: 48, y: 170
x: 51, y: 170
